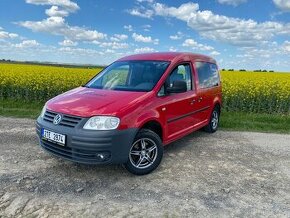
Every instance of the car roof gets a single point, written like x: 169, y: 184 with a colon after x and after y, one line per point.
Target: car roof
x: 167, y: 56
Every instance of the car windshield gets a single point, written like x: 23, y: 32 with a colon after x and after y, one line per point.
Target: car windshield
x: 139, y: 76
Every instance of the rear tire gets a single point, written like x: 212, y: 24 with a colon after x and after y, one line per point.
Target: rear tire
x: 212, y: 126
x: 145, y: 153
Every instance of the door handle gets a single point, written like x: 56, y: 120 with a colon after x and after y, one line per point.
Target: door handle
x: 192, y: 101
x: 199, y: 99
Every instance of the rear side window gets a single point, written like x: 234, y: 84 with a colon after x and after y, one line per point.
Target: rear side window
x: 208, y: 75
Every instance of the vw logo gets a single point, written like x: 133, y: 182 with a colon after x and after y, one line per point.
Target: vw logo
x: 57, y: 119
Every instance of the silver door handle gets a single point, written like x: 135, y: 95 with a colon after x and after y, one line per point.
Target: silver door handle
x: 192, y: 101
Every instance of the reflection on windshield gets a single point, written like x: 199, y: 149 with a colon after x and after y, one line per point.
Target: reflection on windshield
x: 130, y: 76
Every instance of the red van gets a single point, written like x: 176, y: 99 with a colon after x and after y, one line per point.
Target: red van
x: 131, y: 109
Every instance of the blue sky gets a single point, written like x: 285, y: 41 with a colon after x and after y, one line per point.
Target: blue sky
x: 240, y: 34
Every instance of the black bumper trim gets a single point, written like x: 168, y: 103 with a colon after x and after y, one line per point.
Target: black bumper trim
x: 87, y: 146
x: 87, y: 159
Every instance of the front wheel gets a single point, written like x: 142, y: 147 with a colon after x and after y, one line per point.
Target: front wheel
x: 145, y: 153
x: 214, y: 121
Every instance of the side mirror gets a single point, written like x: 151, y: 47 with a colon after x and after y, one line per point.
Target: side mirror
x: 179, y: 86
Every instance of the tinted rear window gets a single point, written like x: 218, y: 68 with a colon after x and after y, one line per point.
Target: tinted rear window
x: 208, y: 75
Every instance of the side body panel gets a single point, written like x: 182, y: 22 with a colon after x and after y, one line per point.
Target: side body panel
x: 182, y: 113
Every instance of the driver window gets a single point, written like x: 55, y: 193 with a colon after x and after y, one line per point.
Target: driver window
x: 181, y: 72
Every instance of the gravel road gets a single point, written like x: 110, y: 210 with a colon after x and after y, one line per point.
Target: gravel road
x: 226, y: 174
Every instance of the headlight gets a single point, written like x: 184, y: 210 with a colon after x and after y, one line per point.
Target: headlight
x: 43, y: 111
x: 102, y: 123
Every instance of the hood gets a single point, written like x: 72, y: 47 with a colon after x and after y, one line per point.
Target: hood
x: 87, y: 102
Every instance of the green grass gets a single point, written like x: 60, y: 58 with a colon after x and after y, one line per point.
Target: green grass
x: 239, y: 121
x: 21, y: 109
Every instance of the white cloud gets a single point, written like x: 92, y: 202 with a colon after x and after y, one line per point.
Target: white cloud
x: 232, y: 2
x: 273, y: 52
x: 230, y: 30
x: 79, y: 51
x: 177, y: 36
x: 196, y: 46
x: 214, y: 53
x: 145, y: 39
x: 68, y: 42
x: 57, y: 26
x: 172, y: 49
x: 144, y: 50
x: 114, y: 45
x: 55, y: 54
x: 66, y: 4
x: 119, y: 37
x: 183, y: 12
x: 51, y: 24
x: 284, y: 5
x: 54, y: 11
x: 27, y: 44
x: 146, y: 27
x: 286, y: 46
x: 234, y: 30
x: 128, y: 27
x: 96, y: 42
x: 141, y: 13
x: 110, y: 51
x: 5, y: 35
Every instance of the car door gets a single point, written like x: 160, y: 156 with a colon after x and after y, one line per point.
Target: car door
x: 178, y: 106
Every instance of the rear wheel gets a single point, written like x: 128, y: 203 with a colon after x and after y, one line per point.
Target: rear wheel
x: 214, y: 121
x: 145, y: 153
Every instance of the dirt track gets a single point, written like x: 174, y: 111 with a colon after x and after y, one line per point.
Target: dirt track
x: 222, y: 174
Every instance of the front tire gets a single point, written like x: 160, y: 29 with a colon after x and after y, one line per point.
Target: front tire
x: 145, y: 153
x: 212, y: 126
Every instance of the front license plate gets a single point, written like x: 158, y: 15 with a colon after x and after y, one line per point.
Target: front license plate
x: 53, y: 137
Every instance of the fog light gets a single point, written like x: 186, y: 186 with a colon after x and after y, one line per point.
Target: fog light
x: 103, y: 156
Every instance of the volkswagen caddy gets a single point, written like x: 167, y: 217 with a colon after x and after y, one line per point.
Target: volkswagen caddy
x: 131, y: 109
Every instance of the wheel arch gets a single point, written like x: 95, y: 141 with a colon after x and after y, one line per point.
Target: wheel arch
x: 154, y: 126
x: 217, y: 103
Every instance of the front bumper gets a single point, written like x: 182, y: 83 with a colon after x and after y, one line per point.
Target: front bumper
x: 88, y: 146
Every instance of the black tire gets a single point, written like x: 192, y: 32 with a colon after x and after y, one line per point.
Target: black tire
x: 212, y: 126
x: 145, y: 153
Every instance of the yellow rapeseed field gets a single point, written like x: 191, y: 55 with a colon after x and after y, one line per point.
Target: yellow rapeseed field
x: 242, y: 91
x: 34, y: 82
x: 267, y: 92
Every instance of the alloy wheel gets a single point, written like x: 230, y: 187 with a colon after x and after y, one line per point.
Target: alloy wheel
x: 143, y: 153
x: 214, y: 119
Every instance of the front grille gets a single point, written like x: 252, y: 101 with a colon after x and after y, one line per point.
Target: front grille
x: 75, y: 154
x: 67, y: 120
